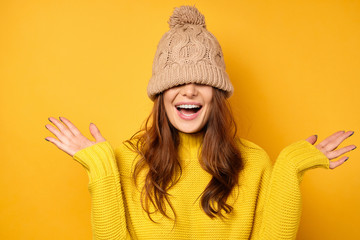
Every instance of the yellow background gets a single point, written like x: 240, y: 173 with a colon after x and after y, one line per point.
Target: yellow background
x: 294, y: 65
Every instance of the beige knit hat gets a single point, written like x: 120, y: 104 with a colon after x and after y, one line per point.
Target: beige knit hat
x: 188, y: 53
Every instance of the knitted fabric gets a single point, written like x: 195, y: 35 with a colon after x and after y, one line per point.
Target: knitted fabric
x: 267, y: 204
x: 188, y: 53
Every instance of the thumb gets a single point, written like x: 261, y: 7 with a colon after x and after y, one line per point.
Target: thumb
x: 95, y: 132
x: 312, y: 139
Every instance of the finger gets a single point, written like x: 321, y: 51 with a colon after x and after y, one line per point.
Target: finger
x: 63, y: 129
x: 312, y: 139
x: 95, y: 132
x: 341, y: 151
x: 57, y: 133
x: 60, y: 145
x: 337, y: 163
x: 337, y: 141
x: 71, y: 126
x: 327, y: 140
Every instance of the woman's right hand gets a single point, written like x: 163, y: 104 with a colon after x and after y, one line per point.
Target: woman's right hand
x: 70, y: 139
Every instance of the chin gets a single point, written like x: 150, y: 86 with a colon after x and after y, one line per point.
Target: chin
x: 189, y: 129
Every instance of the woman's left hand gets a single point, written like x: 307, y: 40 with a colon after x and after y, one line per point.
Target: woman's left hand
x: 329, y: 144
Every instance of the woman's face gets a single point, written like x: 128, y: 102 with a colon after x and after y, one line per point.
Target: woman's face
x: 188, y: 106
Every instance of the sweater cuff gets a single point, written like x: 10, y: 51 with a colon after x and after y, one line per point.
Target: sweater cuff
x: 98, y: 160
x: 305, y: 156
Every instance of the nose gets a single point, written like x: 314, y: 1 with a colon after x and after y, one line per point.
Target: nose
x: 189, y: 90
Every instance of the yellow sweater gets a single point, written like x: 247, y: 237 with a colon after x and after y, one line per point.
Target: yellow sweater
x: 267, y: 204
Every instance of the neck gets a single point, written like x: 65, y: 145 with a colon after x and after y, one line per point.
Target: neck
x: 194, y: 139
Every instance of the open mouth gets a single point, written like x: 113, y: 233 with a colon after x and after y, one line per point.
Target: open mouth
x: 188, y: 109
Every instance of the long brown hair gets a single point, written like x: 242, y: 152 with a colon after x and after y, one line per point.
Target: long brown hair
x: 157, y: 144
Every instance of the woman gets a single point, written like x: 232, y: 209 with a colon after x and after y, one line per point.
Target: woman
x: 187, y: 175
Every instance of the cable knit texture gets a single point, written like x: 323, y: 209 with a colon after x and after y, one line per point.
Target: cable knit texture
x: 267, y: 203
x: 188, y: 53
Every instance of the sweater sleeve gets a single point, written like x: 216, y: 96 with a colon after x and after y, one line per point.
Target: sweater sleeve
x: 278, y: 210
x: 107, y: 208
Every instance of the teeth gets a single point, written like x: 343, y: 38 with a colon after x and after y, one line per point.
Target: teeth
x: 188, y: 106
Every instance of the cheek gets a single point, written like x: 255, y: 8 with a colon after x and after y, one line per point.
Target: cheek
x: 167, y: 109
x: 168, y: 100
x: 207, y: 94
x: 169, y: 96
x: 208, y: 97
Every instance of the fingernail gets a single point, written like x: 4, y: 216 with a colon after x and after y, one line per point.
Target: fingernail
x: 315, y: 135
x: 346, y: 159
x: 351, y: 134
x: 353, y: 148
x: 60, y: 119
x: 49, y: 119
x: 46, y: 127
x: 46, y: 140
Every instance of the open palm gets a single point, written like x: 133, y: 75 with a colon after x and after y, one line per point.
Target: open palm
x: 328, y: 147
x: 70, y: 139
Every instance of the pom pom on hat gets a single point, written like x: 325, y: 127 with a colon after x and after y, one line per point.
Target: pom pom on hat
x: 186, y: 15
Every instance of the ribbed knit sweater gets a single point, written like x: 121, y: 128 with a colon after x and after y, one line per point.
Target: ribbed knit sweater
x: 266, y: 205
